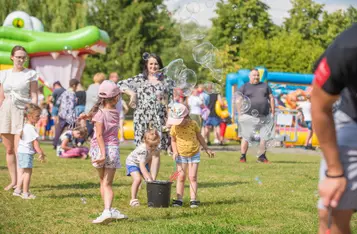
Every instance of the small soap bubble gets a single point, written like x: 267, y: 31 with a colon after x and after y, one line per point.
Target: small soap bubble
x: 68, y: 49
x: 146, y: 56
x: 255, y: 113
x: 234, y: 38
x: 84, y: 200
x: 210, y: 3
x: 193, y: 7
x: 234, y: 7
x: 238, y: 26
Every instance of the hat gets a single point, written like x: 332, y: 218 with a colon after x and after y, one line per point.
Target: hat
x: 177, y: 113
x: 108, y: 89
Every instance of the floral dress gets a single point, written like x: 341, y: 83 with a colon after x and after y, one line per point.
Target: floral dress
x: 150, y: 110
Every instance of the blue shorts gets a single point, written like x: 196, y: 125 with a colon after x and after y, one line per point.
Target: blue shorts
x: 193, y: 159
x: 132, y: 168
x: 79, y: 110
x: 55, y: 111
x: 308, y: 124
x: 212, y: 121
x: 25, y: 160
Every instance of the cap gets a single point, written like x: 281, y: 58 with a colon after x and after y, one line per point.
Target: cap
x: 108, y: 89
x: 177, y: 113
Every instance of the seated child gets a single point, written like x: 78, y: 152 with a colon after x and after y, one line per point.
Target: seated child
x: 67, y: 147
x: 138, y: 161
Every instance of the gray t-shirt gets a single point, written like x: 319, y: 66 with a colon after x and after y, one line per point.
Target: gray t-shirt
x: 140, y: 154
x: 259, y: 98
x: 56, y: 94
x: 91, y: 96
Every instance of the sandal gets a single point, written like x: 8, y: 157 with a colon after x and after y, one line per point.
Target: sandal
x: 134, y: 202
x: 27, y: 196
x: 17, y: 193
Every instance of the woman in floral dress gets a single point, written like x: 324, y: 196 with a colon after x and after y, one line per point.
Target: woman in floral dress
x: 151, y: 109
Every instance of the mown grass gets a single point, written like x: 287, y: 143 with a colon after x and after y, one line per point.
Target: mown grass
x: 232, y: 201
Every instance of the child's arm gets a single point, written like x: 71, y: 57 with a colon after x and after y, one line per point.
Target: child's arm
x: 99, y: 134
x: 36, y: 145
x: 64, y: 145
x: 204, y: 145
x: 147, y: 176
x: 174, y: 148
x: 125, y: 107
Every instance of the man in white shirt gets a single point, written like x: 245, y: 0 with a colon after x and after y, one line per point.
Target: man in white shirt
x: 195, y: 104
x: 305, y: 107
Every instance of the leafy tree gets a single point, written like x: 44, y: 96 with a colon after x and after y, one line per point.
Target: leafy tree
x: 134, y: 27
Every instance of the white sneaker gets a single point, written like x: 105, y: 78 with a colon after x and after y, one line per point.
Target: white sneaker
x: 117, y: 215
x: 104, y: 218
x: 216, y: 141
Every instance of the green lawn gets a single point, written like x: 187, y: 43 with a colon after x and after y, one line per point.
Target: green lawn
x: 232, y: 201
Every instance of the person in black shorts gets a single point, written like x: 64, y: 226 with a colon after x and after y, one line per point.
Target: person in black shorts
x: 335, y: 76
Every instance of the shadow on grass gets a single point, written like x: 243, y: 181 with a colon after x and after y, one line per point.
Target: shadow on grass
x: 3, y: 168
x: 223, y: 202
x: 88, y: 185
x: 71, y: 195
x: 219, y: 184
x: 294, y: 162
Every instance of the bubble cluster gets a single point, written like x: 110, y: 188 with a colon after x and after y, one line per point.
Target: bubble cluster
x: 190, y: 30
x: 211, y: 87
x: 193, y: 7
x: 241, y: 103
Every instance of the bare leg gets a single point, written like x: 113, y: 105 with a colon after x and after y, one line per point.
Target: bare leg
x: 180, y: 185
x: 136, y: 183
x: 101, y: 177
x: 340, y: 221
x: 107, y: 187
x: 121, y: 126
x: 8, y: 140
x: 308, y: 138
x: 26, y: 178
x: 19, y: 170
x: 262, y: 148
x: 244, y: 146
x: 192, y: 176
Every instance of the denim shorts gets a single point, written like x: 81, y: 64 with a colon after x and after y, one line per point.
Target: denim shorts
x: 55, y: 111
x: 25, y: 160
x: 212, y: 121
x: 132, y: 168
x: 309, y: 125
x: 193, y: 159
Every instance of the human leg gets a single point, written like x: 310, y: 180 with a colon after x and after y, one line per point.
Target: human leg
x: 155, y: 164
x: 180, y: 185
x: 121, y: 126
x: 192, y: 176
x: 340, y: 221
x: 8, y: 140
x: 135, y: 187
x: 107, y: 187
x: 58, y: 131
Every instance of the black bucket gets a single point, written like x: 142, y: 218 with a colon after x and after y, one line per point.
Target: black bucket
x: 159, y: 193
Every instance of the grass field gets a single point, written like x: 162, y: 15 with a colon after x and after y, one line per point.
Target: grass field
x: 232, y: 200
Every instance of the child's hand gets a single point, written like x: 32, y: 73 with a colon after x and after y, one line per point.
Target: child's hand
x: 99, y: 161
x: 210, y: 153
x: 174, y: 156
x: 42, y: 158
x: 83, y: 116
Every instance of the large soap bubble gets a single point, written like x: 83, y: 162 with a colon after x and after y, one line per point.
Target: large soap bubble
x: 203, y: 53
x: 190, y: 30
x: 241, y: 103
x: 173, y: 70
x: 193, y: 7
x: 187, y: 81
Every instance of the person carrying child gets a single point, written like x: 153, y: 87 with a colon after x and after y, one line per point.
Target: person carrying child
x: 67, y: 147
x: 28, y: 147
x: 104, y: 149
x: 186, y: 140
x: 139, y: 161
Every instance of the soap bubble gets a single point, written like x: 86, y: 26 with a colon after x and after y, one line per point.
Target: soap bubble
x: 203, y: 52
x: 234, y: 38
x: 174, y: 69
x: 146, y: 55
x: 187, y: 81
x: 210, y: 3
x: 255, y: 113
x: 238, y: 26
x: 217, y: 88
x: 184, y: 14
x: 193, y: 7
x: 190, y: 30
x: 68, y: 49
x: 208, y: 87
x: 241, y: 102
x: 234, y: 7
x: 84, y: 200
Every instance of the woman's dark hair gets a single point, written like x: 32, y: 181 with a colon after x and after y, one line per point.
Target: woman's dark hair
x: 145, y: 64
x: 16, y: 48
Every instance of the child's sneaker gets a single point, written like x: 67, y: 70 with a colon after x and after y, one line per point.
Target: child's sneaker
x: 104, y: 218
x: 134, y: 202
x: 242, y: 159
x: 177, y: 203
x: 27, y: 196
x: 263, y: 159
x: 117, y: 215
x: 194, y: 204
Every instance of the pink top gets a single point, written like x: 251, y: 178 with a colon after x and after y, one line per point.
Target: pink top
x: 110, y: 120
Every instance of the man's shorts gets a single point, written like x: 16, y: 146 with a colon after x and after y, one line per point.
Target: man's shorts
x: 54, y: 111
x: 213, y: 121
x: 132, y: 168
x: 25, y: 160
x: 346, y: 130
x: 248, y: 125
x: 308, y: 125
x: 193, y: 159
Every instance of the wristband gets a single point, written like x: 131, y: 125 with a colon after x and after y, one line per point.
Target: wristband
x: 334, y: 177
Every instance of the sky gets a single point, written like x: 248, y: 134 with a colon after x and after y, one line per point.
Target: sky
x: 278, y: 8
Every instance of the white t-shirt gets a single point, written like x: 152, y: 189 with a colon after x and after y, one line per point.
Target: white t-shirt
x: 140, y: 154
x: 17, y: 84
x: 195, y: 103
x: 306, y: 110
x: 26, y: 142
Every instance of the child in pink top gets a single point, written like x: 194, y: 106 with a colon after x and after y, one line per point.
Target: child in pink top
x: 104, y: 149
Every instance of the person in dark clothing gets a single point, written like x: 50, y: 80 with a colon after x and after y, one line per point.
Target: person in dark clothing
x: 254, y: 119
x: 213, y: 121
x: 57, y: 92
x: 81, y: 100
